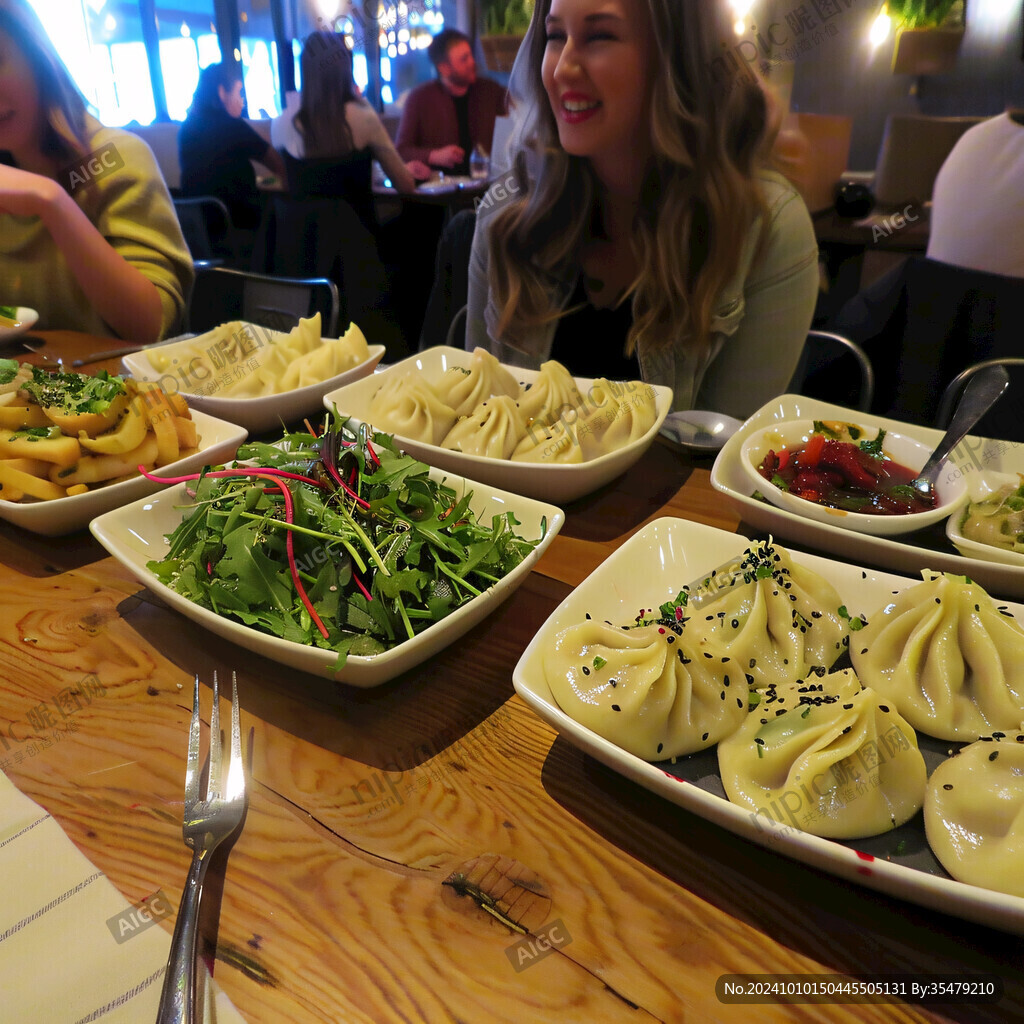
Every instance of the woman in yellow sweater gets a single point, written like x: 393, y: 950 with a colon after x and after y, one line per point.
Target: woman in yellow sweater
x: 88, y: 233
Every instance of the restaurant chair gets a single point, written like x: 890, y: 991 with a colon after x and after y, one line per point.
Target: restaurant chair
x: 450, y: 291
x: 1003, y: 423
x: 222, y: 294
x: 923, y: 323
x: 834, y: 369
x: 206, y: 225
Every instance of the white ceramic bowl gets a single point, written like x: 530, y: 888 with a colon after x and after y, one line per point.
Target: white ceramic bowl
x: 907, y: 451
x: 26, y: 321
x: 258, y: 414
x: 980, y: 486
x: 137, y: 533
x: 548, y: 482
x: 218, y: 442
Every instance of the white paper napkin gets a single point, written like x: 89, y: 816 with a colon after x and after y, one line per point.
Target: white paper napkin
x: 60, y: 958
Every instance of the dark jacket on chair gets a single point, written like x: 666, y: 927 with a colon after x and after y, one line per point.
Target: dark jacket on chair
x: 924, y: 322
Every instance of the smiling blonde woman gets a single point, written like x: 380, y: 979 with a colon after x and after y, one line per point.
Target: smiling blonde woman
x: 645, y: 233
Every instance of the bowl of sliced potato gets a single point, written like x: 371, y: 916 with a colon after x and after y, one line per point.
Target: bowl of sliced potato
x: 254, y: 376
x: 74, y: 445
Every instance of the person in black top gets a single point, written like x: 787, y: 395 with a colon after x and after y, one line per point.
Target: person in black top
x: 216, y: 146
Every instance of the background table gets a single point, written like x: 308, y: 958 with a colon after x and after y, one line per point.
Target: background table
x: 333, y: 903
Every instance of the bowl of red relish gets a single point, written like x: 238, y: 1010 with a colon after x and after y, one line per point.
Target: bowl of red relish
x: 855, y: 476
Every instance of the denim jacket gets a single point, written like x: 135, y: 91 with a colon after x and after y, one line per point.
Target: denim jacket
x: 758, y: 329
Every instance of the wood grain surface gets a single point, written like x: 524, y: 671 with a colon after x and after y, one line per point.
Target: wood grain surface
x: 400, y: 839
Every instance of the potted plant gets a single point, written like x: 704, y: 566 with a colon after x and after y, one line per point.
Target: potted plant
x: 928, y: 37
x: 504, y: 23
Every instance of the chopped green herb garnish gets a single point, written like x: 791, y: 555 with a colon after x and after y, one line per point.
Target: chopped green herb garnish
x: 11, y: 312
x: 8, y: 370
x: 822, y: 428
x: 780, y: 482
x: 873, y: 447
x: 600, y: 662
x: 74, y: 392
x: 856, y: 622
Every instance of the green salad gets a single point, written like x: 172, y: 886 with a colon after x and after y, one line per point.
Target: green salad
x: 334, y: 542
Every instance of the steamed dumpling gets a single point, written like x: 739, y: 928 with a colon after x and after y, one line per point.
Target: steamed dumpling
x: 555, y: 444
x: 974, y: 814
x: 553, y: 392
x: 947, y: 657
x: 464, y: 389
x: 408, y: 406
x: 827, y: 757
x: 492, y: 429
x: 326, y: 359
x: 650, y: 690
x: 780, y: 624
x: 614, y: 415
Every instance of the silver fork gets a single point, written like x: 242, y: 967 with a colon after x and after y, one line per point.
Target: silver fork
x: 206, y: 824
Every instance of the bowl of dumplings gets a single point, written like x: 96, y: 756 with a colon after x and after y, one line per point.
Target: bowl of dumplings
x: 256, y: 377
x: 823, y: 709
x: 542, y: 433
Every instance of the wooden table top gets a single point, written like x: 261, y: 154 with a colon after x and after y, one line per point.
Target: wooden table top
x: 332, y: 902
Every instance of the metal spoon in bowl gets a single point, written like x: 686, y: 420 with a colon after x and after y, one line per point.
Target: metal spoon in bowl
x: 982, y: 392
x: 701, y: 429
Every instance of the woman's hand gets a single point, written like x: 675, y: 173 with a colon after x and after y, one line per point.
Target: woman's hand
x: 122, y: 296
x: 24, y: 194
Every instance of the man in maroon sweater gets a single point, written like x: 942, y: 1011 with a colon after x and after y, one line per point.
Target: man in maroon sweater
x: 442, y: 121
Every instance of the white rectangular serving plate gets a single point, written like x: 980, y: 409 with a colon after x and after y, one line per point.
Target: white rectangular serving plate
x: 136, y: 534
x: 257, y: 414
x: 651, y: 568
x: 218, y: 442
x: 911, y: 552
x: 548, y: 482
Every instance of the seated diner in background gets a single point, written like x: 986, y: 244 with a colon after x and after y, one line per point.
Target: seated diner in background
x: 330, y: 142
x: 445, y: 120
x: 650, y: 237
x: 216, y: 146
x: 977, y: 216
x: 88, y: 234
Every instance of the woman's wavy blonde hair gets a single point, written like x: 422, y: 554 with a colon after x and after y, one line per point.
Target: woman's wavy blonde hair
x: 63, y: 108
x: 712, y: 128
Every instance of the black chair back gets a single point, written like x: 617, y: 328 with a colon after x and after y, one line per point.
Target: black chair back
x: 834, y: 369
x: 206, y: 225
x: 222, y: 294
x: 924, y: 323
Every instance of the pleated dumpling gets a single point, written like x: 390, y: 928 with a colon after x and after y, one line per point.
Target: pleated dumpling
x: 465, y: 388
x: 614, y: 415
x: 780, y: 621
x: 827, y: 757
x: 652, y: 691
x: 492, y: 429
x: 554, y: 444
x: 276, y: 358
x: 327, y: 359
x: 949, y: 659
x: 552, y: 393
x: 974, y: 813
x: 408, y: 406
